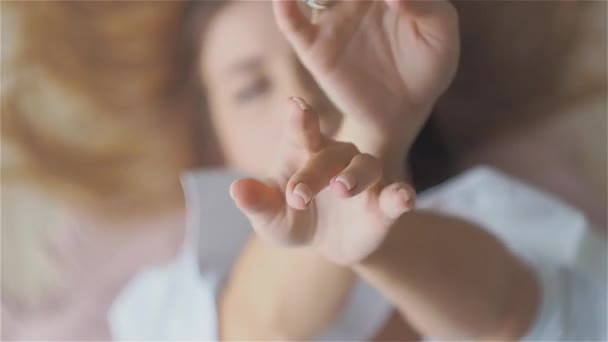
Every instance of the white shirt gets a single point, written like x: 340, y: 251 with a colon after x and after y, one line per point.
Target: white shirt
x: 178, y: 301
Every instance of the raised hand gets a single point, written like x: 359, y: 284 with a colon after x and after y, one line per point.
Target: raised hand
x: 383, y: 63
x: 325, y: 194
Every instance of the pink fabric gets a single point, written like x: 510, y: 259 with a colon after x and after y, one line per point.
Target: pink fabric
x: 97, y: 262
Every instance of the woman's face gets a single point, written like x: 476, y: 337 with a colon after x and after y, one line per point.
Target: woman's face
x: 249, y: 71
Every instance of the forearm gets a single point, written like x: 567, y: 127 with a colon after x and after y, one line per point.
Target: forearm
x: 452, y: 280
x: 275, y: 293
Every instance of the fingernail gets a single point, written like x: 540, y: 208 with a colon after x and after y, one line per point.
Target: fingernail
x: 348, y: 180
x: 231, y: 190
x: 303, y: 191
x: 300, y: 102
x: 406, y: 198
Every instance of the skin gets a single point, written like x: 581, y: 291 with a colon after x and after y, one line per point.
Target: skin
x: 383, y: 63
x: 328, y: 196
x: 239, y: 98
x: 250, y: 80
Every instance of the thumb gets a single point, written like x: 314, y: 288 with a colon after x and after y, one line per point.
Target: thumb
x: 262, y: 204
x: 397, y: 199
x: 431, y: 18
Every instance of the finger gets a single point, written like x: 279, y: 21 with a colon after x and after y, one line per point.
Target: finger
x: 303, y: 126
x: 363, y: 172
x: 397, y: 199
x: 432, y: 18
x: 260, y: 202
x: 317, y: 173
x: 296, y: 27
x: 423, y: 9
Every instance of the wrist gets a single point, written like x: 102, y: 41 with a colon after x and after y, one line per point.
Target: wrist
x: 391, y: 150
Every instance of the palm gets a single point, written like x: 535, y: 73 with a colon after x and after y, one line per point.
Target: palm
x: 343, y: 224
x: 352, y: 230
x: 339, y: 228
x: 377, y: 64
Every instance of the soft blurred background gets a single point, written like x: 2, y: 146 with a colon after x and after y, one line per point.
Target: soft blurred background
x: 99, y: 109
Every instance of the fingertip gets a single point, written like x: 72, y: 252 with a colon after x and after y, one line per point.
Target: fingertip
x: 300, y: 103
x: 397, y: 199
x: 300, y: 196
x: 236, y: 189
x: 294, y: 24
x: 296, y: 202
x: 406, y: 197
x: 239, y: 192
x: 231, y: 190
x: 299, y: 112
x: 340, y: 189
x: 343, y: 185
x: 288, y: 15
x: 303, y: 126
x: 254, y: 197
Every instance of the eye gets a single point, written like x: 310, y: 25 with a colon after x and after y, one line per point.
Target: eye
x: 259, y: 87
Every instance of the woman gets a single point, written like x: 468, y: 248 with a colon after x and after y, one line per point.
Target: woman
x: 255, y: 90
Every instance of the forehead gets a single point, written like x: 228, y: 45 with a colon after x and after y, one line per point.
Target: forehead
x: 241, y: 28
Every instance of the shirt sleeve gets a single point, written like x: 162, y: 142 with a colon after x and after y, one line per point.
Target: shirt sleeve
x: 573, y: 305
x: 546, y: 234
x: 365, y: 314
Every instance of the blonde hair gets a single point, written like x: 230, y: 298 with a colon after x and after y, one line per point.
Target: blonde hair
x: 87, y: 89
x: 87, y: 81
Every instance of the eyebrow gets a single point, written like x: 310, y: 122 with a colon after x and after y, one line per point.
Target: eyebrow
x: 246, y: 65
